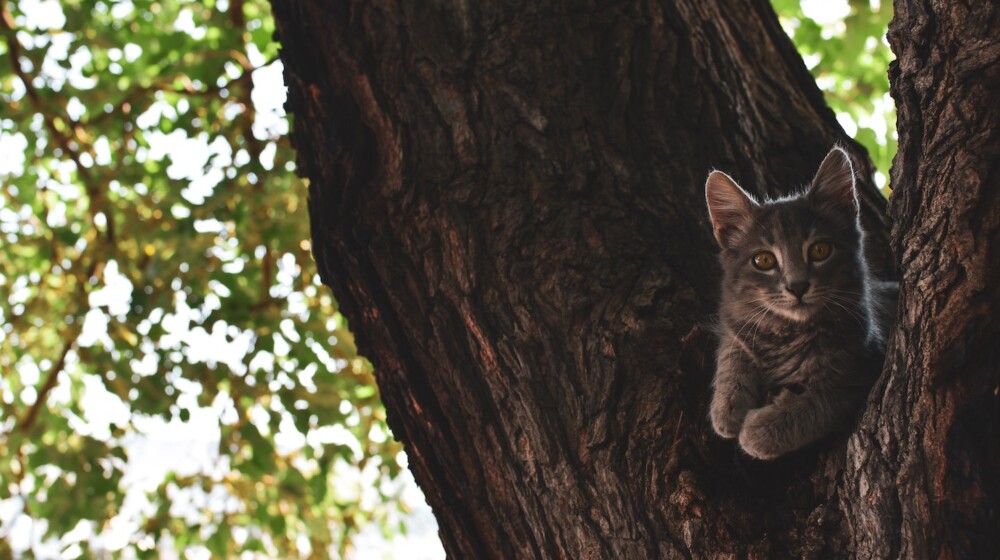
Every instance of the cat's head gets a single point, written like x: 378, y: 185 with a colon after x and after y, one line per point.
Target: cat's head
x: 798, y: 257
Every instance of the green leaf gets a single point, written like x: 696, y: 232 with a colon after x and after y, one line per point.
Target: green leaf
x: 183, y: 230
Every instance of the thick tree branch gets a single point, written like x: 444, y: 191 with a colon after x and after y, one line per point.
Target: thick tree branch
x: 507, y: 199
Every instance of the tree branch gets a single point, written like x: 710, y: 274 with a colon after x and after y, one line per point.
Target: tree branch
x: 25, y: 424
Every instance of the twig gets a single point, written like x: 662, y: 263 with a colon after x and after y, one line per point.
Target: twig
x: 25, y: 424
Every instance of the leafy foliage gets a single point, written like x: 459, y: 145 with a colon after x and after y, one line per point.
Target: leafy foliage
x: 155, y: 267
x: 848, y: 54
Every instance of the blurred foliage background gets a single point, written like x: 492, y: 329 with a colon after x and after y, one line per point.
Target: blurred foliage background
x: 156, y: 279
x: 155, y: 267
x: 843, y: 44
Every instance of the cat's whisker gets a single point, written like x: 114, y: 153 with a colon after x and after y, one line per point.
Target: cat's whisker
x: 753, y: 341
x: 856, y: 315
x: 844, y: 294
x: 848, y: 303
x: 759, y: 312
x: 839, y: 291
x: 764, y: 298
x: 840, y: 298
x: 755, y: 322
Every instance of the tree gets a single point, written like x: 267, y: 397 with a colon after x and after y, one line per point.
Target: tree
x: 506, y: 199
x: 155, y: 267
x: 923, y: 463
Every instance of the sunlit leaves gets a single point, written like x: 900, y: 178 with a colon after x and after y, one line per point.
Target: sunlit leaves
x: 155, y: 271
x: 844, y: 45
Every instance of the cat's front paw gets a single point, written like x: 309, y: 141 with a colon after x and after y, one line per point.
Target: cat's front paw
x: 759, y: 436
x: 726, y: 419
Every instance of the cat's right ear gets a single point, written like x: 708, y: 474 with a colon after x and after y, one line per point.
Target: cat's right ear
x: 833, y: 187
x: 729, y: 207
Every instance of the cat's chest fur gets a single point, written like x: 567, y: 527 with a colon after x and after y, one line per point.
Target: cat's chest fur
x: 795, y: 354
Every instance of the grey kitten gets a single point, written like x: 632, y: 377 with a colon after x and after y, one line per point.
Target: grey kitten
x: 803, y: 325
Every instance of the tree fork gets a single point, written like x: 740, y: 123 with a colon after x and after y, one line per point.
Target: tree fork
x: 507, y: 202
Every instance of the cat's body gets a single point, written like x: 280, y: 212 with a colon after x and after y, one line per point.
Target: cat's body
x: 802, y: 323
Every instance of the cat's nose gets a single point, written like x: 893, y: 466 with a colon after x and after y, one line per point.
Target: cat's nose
x: 798, y: 288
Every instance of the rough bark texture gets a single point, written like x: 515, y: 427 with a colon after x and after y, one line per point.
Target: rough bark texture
x: 507, y: 199
x: 925, y: 464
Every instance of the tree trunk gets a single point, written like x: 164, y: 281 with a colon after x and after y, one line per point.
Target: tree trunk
x: 924, y: 467
x: 507, y: 199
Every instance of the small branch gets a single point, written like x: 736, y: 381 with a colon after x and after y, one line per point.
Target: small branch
x: 25, y: 424
x: 188, y: 89
x: 14, y: 54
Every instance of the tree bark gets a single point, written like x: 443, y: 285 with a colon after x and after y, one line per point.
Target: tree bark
x: 507, y: 200
x: 923, y: 466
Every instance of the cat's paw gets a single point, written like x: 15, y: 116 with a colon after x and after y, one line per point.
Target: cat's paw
x: 726, y: 421
x: 759, y: 437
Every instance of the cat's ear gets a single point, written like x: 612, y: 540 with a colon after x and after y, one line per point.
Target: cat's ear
x: 729, y: 207
x: 833, y: 186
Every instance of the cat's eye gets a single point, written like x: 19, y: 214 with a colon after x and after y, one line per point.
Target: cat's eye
x: 820, y: 251
x: 764, y: 260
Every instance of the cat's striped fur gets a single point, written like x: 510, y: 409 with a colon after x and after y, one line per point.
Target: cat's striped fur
x: 802, y: 323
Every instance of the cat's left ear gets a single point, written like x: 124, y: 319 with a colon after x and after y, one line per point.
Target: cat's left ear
x: 833, y: 185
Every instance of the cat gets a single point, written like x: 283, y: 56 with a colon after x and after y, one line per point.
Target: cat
x: 803, y: 325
